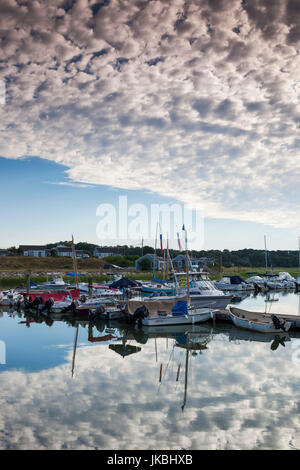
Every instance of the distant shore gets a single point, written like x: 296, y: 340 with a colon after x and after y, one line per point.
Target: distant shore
x: 13, y: 271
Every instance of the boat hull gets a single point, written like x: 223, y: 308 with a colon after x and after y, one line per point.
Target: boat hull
x: 191, y: 318
x: 260, y: 325
x: 216, y: 302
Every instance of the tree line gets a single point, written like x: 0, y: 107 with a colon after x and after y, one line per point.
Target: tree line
x: 247, y: 257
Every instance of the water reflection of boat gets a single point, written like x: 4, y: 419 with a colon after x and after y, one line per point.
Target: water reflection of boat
x: 172, y: 330
x: 237, y: 334
x: 124, y: 349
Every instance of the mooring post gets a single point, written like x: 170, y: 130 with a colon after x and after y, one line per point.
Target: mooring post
x: 90, y: 281
x: 28, y: 283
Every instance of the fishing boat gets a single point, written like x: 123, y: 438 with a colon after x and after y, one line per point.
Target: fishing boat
x: 181, y: 314
x: 259, y: 322
x: 233, y: 283
x: 162, y: 311
x: 202, y: 291
x: 151, y: 288
x: 9, y: 298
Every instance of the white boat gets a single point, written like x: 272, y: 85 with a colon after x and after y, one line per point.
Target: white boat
x: 151, y: 287
x: 233, y: 283
x: 194, y: 315
x: 100, y: 291
x: 10, y: 298
x: 167, y: 312
x: 202, y: 291
x: 254, y: 321
x: 54, y: 284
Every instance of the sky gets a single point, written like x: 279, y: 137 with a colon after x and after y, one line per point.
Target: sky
x: 195, y: 103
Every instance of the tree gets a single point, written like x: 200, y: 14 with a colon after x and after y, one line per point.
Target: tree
x: 145, y: 264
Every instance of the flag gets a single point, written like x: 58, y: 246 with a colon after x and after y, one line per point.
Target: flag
x: 161, y: 244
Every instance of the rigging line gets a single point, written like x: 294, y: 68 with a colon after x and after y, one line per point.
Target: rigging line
x: 172, y: 353
x: 162, y: 376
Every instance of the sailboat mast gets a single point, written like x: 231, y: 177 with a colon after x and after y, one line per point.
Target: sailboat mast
x: 167, y: 257
x: 299, y: 255
x: 74, y: 350
x: 186, y: 373
x: 187, y: 267
x: 266, y: 256
x: 75, y: 263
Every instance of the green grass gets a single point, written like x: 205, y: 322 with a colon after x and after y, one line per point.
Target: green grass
x: 248, y: 272
x: 11, y: 282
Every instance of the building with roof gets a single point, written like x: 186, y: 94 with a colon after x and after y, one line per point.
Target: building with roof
x: 156, y: 262
x: 67, y: 251
x: 104, y: 252
x: 38, y: 251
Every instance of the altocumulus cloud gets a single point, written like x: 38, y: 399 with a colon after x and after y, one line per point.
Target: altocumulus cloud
x: 160, y: 95
x: 247, y: 404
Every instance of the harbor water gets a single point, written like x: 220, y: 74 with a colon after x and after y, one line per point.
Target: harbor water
x: 68, y: 384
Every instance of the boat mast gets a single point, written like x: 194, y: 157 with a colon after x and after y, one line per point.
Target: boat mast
x: 167, y: 257
x: 75, y: 263
x: 299, y: 256
x: 187, y: 267
x: 74, y: 350
x: 186, y: 373
x: 266, y: 256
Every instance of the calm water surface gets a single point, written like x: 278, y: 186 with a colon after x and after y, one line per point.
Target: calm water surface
x: 201, y: 387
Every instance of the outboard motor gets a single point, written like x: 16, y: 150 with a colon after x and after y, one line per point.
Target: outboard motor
x: 279, y: 325
x: 83, y: 298
x: 19, y: 303
x: 35, y: 303
x: 256, y: 288
x: 48, y: 305
x: 70, y: 308
x: 98, y: 312
x: 139, y: 314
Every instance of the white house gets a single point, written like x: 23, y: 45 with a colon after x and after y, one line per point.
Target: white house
x: 104, y: 252
x: 38, y: 251
x: 63, y: 250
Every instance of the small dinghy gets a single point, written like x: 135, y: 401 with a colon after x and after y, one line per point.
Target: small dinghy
x: 259, y: 322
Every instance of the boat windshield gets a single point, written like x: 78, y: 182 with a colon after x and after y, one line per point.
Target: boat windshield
x: 203, y: 285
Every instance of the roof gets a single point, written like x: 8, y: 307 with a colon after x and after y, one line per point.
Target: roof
x: 152, y: 255
x: 64, y: 249
x: 108, y: 250
x: 183, y: 256
x: 33, y: 247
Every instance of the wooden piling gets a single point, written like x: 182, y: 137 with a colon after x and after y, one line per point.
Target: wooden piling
x: 28, y: 283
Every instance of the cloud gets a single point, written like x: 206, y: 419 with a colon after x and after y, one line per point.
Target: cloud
x: 244, y: 404
x: 158, y: 96
x: 72, y: 184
